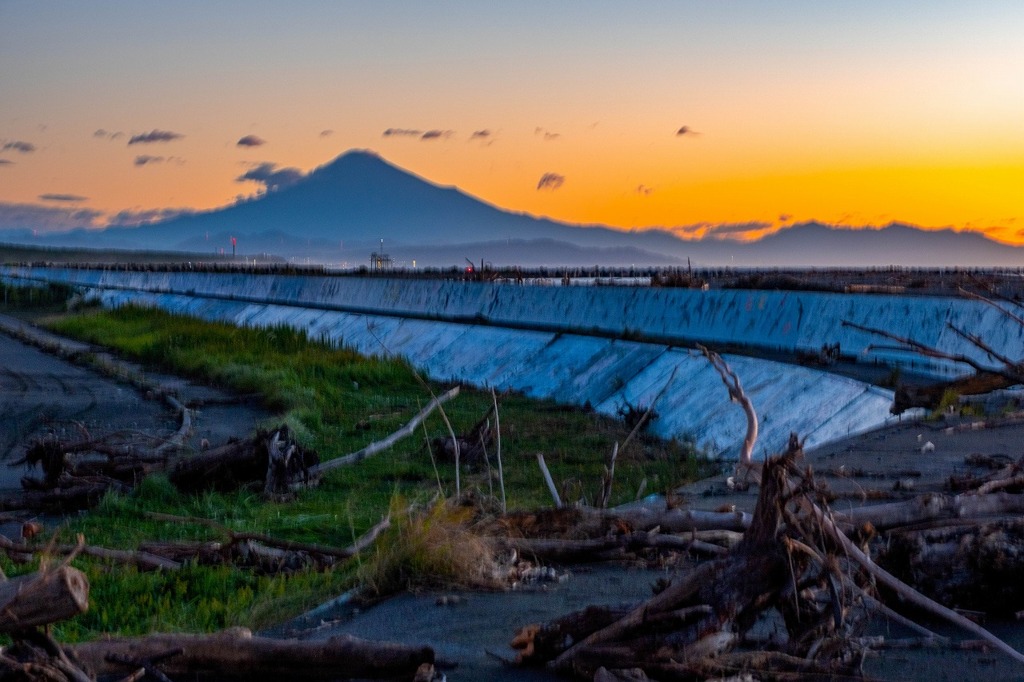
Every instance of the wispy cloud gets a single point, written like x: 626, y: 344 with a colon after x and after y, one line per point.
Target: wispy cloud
x: 546, y: 134
x: 724, y: 231
x: 250, y: 141
x: 107, y: 135
x: 154, y: 136
x: 271, y: 177
x: 130, y: 218
x: 45, y: 218
x: 144, y: 159
x: 70, y: 198
x: 402, y: 132
x: 644, y: 190
x: 436, y: 134
x: 19, y: 146
x: 686, y: 130
x: 326, y: 133
x: 480, y: 134
x: 550, y: 181
x: 5, y: 162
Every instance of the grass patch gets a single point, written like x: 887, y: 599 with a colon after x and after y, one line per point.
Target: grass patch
x: 429, y: 547
x: 337, y: 401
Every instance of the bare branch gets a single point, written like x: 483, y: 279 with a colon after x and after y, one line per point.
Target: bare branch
x: 910, y: 345
x: 736, y: 394
x: 1011, y: 365
x: 987, y: 301
x: 377, y: 446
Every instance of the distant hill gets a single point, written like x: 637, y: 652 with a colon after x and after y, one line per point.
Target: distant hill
x: 340, y: 211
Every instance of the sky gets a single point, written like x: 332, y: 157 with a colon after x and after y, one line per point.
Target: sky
x: 720, y: 117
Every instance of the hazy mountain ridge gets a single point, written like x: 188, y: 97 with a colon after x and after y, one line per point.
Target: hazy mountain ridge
x: 340, y: 211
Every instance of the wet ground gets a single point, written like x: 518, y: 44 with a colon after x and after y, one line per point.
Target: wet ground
x: 40, y: 394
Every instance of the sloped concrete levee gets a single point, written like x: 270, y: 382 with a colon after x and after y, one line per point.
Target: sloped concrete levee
x: 579, y: 344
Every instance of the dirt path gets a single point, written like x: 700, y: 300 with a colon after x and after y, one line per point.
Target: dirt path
x: 42, y: 393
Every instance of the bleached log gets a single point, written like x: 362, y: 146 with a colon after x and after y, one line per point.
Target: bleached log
x: 931, y: 506
x: 681, y: 520
x: 377, y: 446
x: 548, y: 480
x: 737, y: 395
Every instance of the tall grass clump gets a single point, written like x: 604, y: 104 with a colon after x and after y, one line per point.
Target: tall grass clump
x: 430, y: 546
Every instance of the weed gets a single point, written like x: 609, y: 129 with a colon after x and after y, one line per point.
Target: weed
x: 429, y: 547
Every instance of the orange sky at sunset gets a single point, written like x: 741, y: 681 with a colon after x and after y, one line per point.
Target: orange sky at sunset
x: 794, y: 111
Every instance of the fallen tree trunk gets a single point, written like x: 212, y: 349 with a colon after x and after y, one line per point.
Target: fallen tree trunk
x: 42, y: 598
x: 237, y: 654
x: 931, y: 506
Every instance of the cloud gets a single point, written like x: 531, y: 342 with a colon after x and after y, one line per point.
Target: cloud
x: 45, y: 218
x: 5, y: 162
x: 480, y: 134
x: 546, y: 134
x: 71, y: 198
x: 271, y: 177
x: 785, y: 217
x: 131, y: 218
x: 644, y: 190
x: 402, y: 132
x: 250, y: 141
x: 740, y: 232
x: 550, y: 181
x: 107, y: 135
x: 154, y: 136
x: 736, y: 229
x: 436, y: 134
x: 686, y: 130
x: 19, y: 146
x: 326, y: 133
x: 147, y: 159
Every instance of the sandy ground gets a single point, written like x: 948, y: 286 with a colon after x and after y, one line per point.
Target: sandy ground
x: 40, y: 393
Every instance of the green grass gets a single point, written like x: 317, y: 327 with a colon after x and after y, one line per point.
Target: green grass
x: 323, y: 393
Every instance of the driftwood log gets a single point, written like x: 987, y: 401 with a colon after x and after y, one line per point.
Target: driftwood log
x: 41, y: 598
x: 237, y: 654
x: 793, y: 567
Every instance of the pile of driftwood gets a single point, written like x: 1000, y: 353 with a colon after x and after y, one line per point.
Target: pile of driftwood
x: 787, y: 591
x: 77, y: 473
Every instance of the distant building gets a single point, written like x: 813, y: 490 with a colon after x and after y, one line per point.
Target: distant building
x: 380, y: 261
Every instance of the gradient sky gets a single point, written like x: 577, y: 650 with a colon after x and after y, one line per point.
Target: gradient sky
x: 854, y: 113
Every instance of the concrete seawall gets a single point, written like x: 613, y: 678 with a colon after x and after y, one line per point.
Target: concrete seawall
x: 577, y: 344
x: 776, y: 320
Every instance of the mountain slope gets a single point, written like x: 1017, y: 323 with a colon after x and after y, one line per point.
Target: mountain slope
x: 340, y: 211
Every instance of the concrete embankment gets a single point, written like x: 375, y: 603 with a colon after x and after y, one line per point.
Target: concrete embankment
x: 580, y: 344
